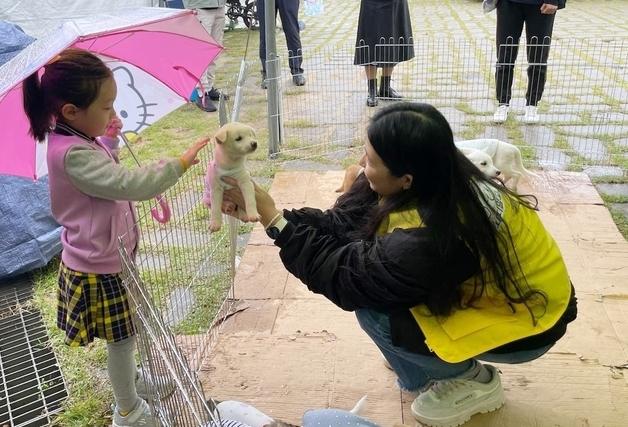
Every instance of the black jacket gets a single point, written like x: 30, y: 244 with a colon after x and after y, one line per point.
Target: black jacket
x: 390, y: 274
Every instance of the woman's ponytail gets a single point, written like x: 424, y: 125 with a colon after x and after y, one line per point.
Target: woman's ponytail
x: 35, y: 107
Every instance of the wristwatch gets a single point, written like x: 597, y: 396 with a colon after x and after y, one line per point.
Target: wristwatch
x: 275, y: 228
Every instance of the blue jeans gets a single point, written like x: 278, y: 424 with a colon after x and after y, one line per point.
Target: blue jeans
x: 415, y: 371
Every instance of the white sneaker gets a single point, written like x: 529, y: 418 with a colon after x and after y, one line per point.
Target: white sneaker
x: 501, y: 114
x: 449, y: 403
x: 146, y: 384
x: 532, y: 115
x: 140, y: 416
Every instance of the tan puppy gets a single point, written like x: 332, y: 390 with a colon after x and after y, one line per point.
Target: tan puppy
x: 351, y: 173
x: 233, y: 142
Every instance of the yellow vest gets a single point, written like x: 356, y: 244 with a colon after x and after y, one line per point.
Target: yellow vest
x: 492, y: 321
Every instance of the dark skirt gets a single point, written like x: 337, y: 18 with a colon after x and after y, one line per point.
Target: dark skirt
x: 384, y: 36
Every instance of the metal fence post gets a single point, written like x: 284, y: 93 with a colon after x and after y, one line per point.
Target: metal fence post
x: 272, y: 76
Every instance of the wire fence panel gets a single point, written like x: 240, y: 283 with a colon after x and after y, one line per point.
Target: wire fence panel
x: 583, y: 118
x: 180, y: 285
x: 180, y: 279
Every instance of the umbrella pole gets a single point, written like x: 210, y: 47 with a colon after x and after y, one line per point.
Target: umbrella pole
x: 165, y: 214
x: 128, y: 145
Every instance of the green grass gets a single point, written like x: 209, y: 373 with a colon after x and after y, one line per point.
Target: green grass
x: 89, y: 396
x: 610, y: 179
x: 614, y: 198
x: 620, y: 220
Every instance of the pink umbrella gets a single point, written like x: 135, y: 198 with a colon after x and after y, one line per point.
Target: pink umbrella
x: 157, y: 56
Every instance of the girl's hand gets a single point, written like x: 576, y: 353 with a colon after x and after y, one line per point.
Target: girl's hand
x: 189, y: 157
x: 113, y: 128
x: 265, y: 204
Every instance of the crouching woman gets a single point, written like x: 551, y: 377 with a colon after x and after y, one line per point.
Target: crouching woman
x: 443, y: 267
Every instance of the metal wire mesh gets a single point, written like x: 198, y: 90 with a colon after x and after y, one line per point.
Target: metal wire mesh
x: 33, y: 388
x: 180, y: 283
x: 583, y: 120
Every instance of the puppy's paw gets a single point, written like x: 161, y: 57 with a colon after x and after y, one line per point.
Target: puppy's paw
x: 214, y: 226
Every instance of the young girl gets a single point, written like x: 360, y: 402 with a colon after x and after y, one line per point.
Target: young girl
x: 442, y: 266
x: 91, y: 197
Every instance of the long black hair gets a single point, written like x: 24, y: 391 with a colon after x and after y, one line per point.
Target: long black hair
x: 416, y: 139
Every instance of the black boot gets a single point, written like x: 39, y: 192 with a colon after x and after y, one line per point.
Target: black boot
x: 385, y: 91
x: 264, y: 84
x: 371, y: 101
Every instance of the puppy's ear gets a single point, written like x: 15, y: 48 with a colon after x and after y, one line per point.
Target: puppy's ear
x: 221, y: 135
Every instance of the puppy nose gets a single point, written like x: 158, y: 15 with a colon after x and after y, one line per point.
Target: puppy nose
x: 254, y: 144
x: 498, y: 173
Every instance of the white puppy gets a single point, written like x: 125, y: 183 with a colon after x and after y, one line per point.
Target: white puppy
x: 496, y: 159
x: 233, y: 142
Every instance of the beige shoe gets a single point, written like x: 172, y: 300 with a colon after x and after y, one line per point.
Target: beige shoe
x: 450, y: 403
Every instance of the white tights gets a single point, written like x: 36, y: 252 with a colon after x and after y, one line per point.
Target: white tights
x: 122, y: 372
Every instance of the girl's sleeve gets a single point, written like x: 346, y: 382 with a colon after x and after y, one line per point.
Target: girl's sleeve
x: 96, y: 174
x: 113, y: 144
x: 396, y: 271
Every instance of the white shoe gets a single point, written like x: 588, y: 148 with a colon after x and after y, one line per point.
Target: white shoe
x: 450, y: 403
x: 501, y: 114
x: 140, y: 416
x: 532, y: 115
x: 146, y: 384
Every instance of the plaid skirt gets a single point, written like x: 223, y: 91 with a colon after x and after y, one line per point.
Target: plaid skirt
x: 92, y: 306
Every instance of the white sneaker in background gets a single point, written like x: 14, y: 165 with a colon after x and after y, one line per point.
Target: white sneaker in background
x: 449, y: 403
x: 501, y: 114
x: 140, y: 416
x: 532, y: 115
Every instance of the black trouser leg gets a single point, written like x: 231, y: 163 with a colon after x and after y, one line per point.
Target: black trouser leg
x: 289, y: 13
x: 262, y: 32
x: 510, y: 19
x: 538, y: 36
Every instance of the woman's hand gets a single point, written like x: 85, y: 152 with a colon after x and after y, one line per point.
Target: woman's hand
x: 265, y: 204
x: 189, y: 157
x: 548, y: 9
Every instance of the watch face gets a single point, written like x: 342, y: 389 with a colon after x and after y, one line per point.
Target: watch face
x: 273, y: 232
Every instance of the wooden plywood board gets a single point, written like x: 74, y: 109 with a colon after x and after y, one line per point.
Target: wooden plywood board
x: 292, y: 350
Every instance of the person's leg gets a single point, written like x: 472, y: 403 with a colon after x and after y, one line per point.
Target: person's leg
x: 207, y: 18
x: 385, y: 91
x: 289, y: 13
x: 515, y: 357
x: 371, y: 79
x: 510, y: 20
x: 414, y: 371
x: 261, y: 17
x: 217, y: 32
x: 122, y: 373
x: 538, y: 35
